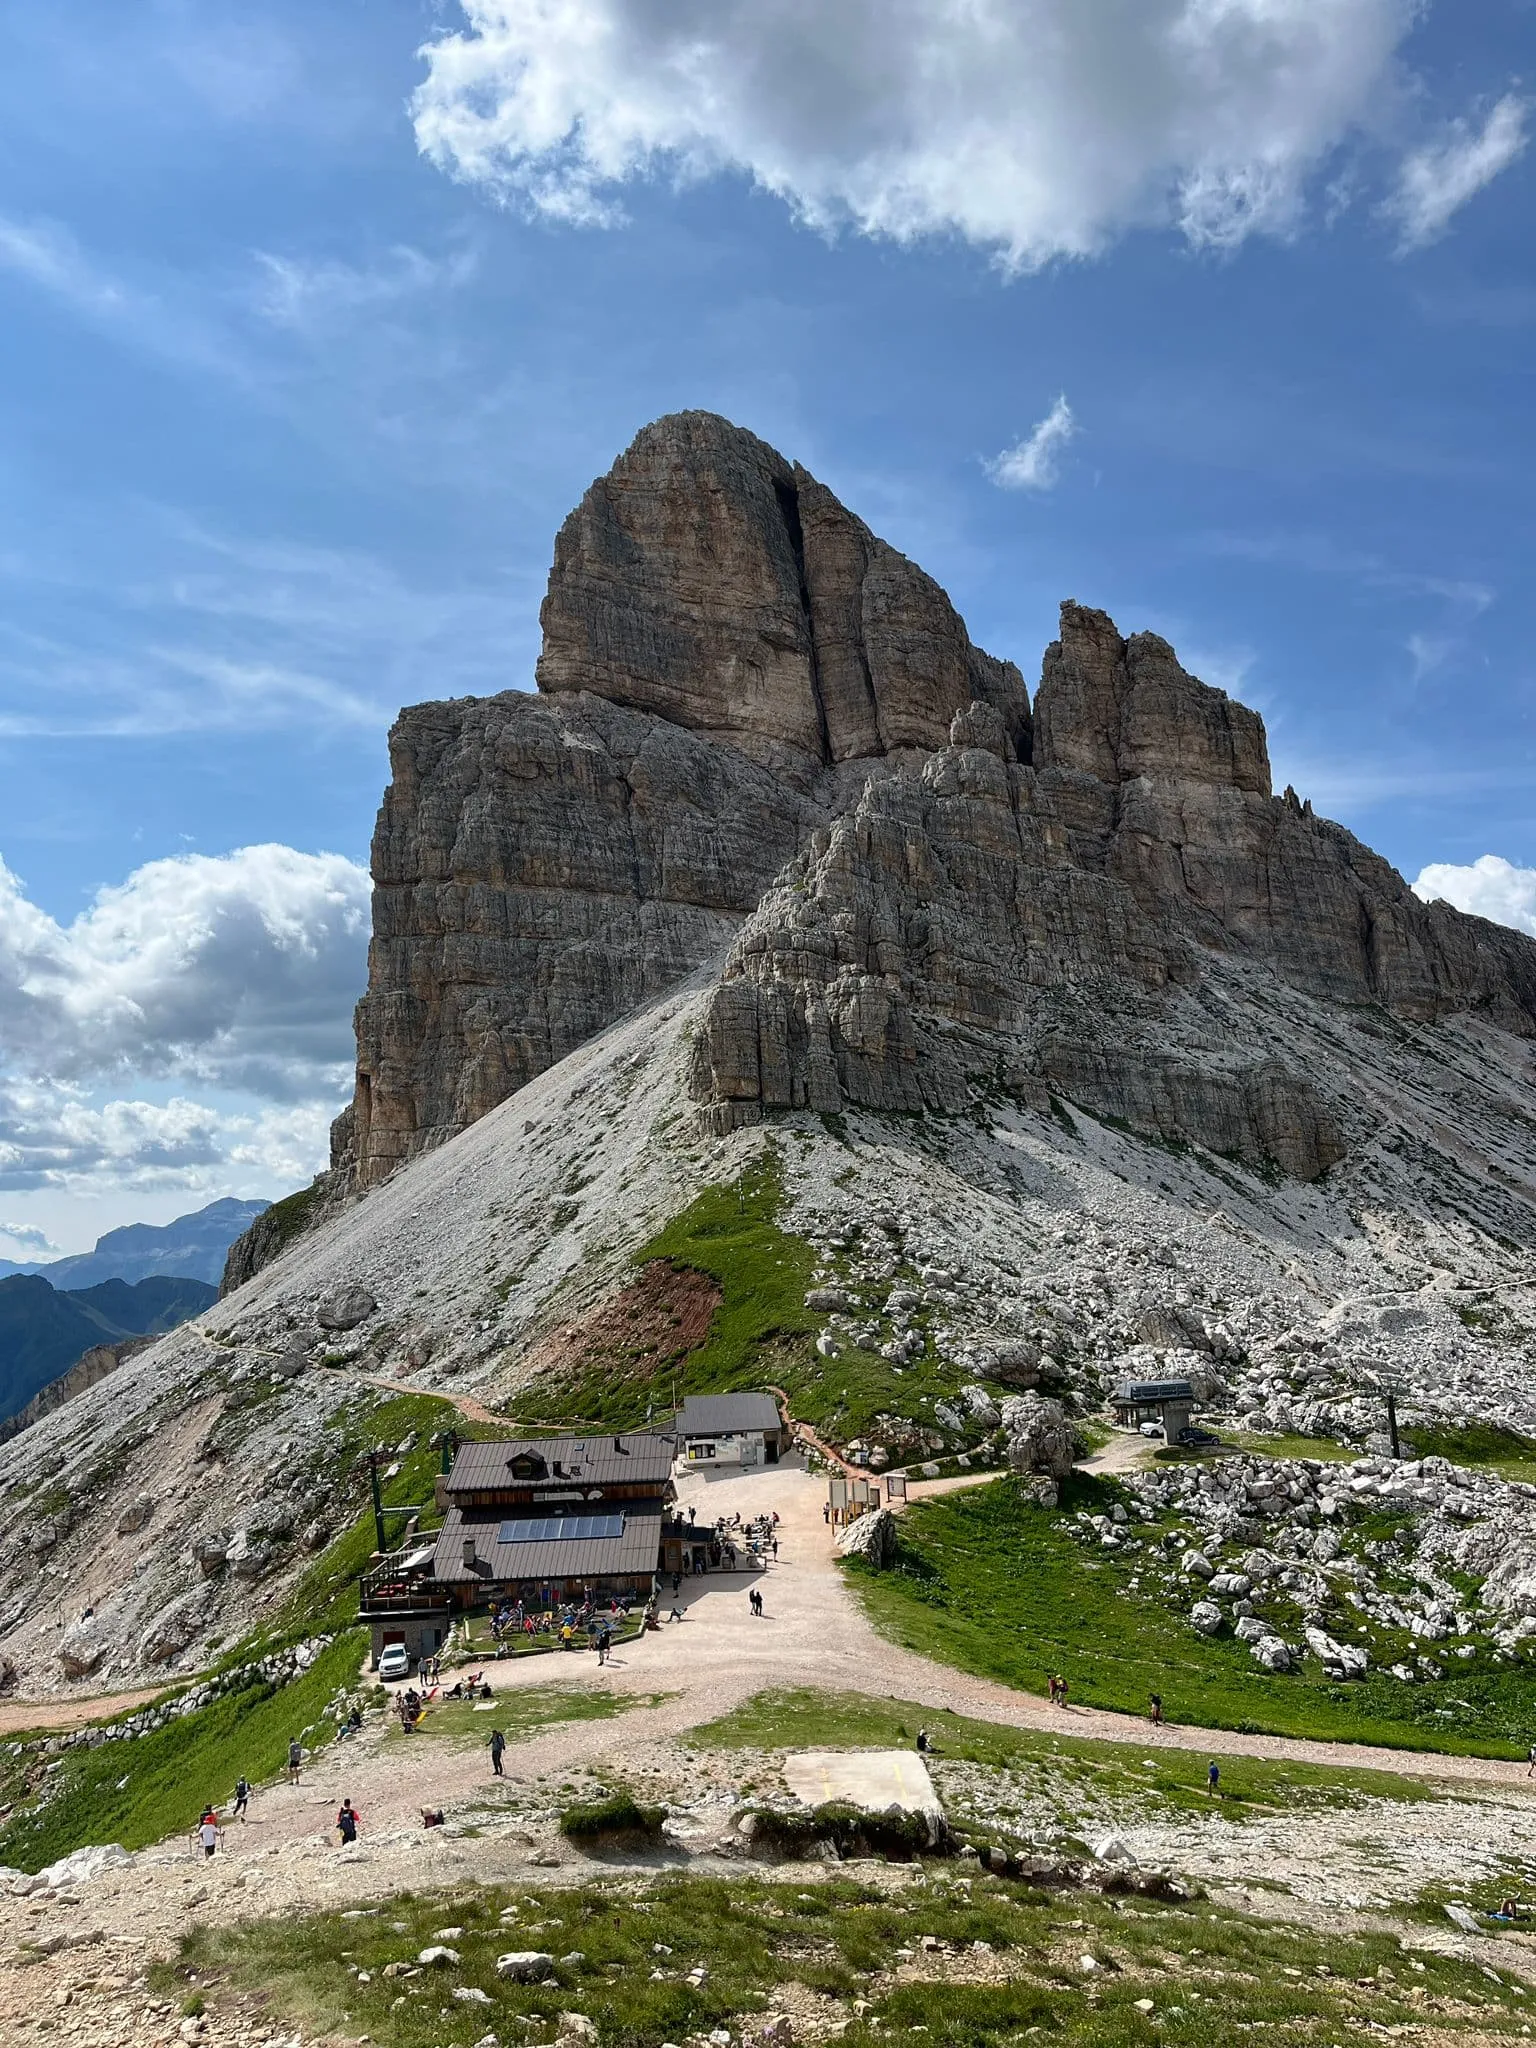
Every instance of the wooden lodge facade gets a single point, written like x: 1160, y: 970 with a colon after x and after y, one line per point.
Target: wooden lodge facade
x: 547, y: 1522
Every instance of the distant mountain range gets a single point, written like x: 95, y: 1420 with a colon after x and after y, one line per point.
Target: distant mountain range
x: 43, y: 1330
x: 191, y: 1248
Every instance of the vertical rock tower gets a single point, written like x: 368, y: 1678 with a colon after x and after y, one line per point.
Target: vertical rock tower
x: 763, y: 744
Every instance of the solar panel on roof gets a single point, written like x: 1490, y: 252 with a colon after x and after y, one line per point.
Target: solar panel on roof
x: 560, y: 1529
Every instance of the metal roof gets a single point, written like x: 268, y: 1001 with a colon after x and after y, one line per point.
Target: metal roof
x: 726, y: 1414
x: 484, y: 1466
x: 1155, y: 1390
x: 636, y: 1550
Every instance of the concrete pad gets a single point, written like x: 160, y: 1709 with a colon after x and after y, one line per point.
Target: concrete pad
x: 871, y: 1779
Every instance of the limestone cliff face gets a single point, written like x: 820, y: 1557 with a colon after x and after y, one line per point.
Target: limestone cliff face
x: 942, y: 937
x: 728, y: 655
x: 541, y: 867
x: 710, y: 581
x: 764, y: 744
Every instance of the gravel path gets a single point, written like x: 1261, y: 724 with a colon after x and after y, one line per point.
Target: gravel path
x: 23, y: 1716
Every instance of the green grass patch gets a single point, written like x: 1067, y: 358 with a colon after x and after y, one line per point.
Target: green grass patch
x: 324, y: 1598
x: 1323, y: 1448
x: 617, y: 1816
x: 853, y: 1831
x: 290, y: 1217
x: 1080, y: 1773
x: 467, y: 1724
x: 761, y: 1334
x: 1489, y: 1444
x: 987, y: 1581
x: 137, y: 1792
x: 672, y: 1958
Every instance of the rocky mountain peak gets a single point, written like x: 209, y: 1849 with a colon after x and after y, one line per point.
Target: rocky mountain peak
x: 709, y: 581
x: 1117, y: 709
x: 764, y: 747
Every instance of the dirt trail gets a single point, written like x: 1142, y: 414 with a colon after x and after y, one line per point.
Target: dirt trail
x: 1126, y: 1451
x: 18, y: 1716
x: 957, y: 1482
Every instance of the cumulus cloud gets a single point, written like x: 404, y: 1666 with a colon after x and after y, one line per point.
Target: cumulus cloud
x: 232, y: 977
x: 1489, y: 887
x: 1033, y: 128
x: 1435, y: 182
x: 27, y: 1239
x: 1032, y: 463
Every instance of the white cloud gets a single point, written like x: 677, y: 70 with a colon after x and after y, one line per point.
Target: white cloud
x: 48, y: 256
x: 1033, y: 128
x: 190, y: 1029
x: 1490, y: 887
x: 237, y: 971
x: 1031, y: 464
x: 1427, y: 652
x: 299, y: 293
x: 165, y: 324
x: 29, y: 1240
x: 228, y: 634
x: 1435, y: 182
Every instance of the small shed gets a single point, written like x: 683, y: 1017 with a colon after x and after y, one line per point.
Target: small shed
x: 729, y: 1429
x: 1168, y: 1403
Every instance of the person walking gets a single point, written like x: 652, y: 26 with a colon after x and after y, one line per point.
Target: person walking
x: 1213, y: 1780
x: 346, y: 1824
x: 1530, y: 1771
x: 242, y: 1800
x: 295, y: 1760
x: 1156, y: 1714
x: 498, y: 1749
x: 207, y: 1831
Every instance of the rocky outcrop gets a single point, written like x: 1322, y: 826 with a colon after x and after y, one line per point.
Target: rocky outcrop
x: 763, y: 745
x: 542, y: 866
x: 1066, y: 925
x: 871, y: 1536
x: 728, y: 655
x: 709, y: 581
x: 90, y: 1367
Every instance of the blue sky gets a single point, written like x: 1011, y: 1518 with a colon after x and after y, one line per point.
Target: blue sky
x: 318, y: 320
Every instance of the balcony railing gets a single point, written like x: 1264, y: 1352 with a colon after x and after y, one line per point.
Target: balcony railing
x: 388, y: 1590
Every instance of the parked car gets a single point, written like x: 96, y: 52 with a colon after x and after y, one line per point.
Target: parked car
x: 395, y: 1663
x: 1200, y: 1439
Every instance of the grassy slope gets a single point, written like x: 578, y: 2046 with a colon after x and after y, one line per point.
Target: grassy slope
x: 171, y: 1774
x: 804, y: 1719
x: 1210, y: 1975
x: 1501, y: 1450
x: 989, y: 1582
x: 761, y: 1334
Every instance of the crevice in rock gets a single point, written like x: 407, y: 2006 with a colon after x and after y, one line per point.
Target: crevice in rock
x: 789, y: 510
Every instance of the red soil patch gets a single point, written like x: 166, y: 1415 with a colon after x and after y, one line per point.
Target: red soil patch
x: 638, y: 1332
